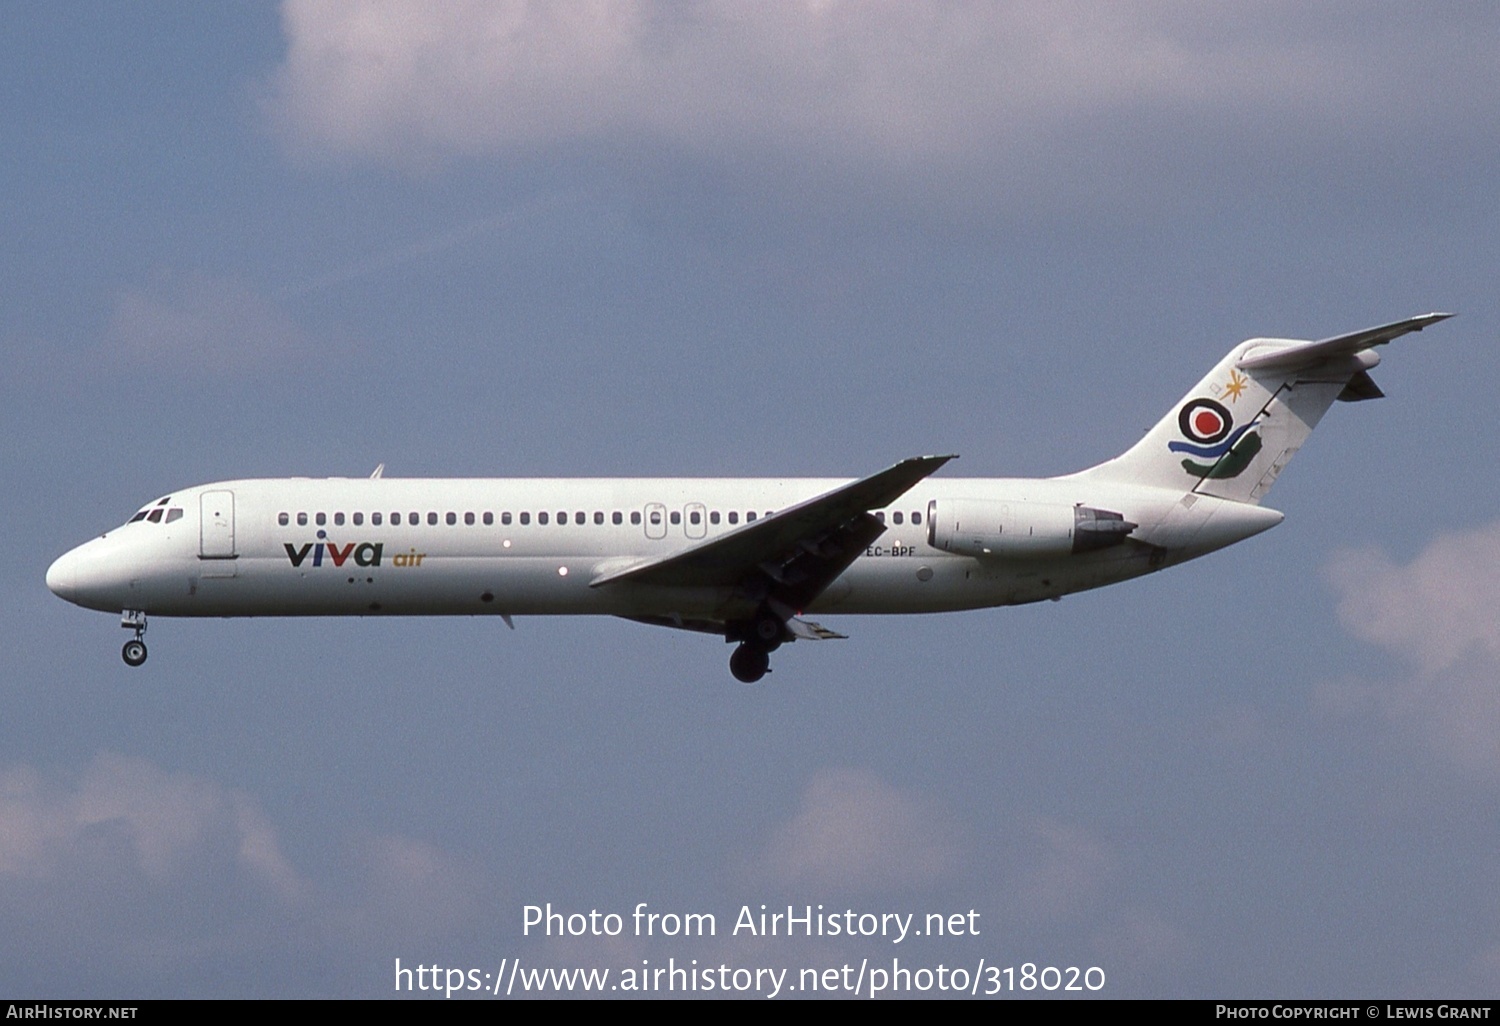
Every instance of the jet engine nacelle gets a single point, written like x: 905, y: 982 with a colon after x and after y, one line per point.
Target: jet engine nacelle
x: 1021, y: 530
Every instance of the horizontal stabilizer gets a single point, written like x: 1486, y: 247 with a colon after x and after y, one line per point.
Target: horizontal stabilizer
x: 1307, y: 354
x: 1360, y: 388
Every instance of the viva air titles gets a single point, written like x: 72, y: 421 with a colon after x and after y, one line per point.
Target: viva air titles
x: 362, y: 553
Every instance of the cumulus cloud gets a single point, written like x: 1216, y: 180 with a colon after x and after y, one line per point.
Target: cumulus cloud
x: 885, y: 78
x: 166, y: 821
x: 853, y: 831
x: 1069, y: 868
x: 194, y: 320
x: 135, y: 873
x: 1441, y: 614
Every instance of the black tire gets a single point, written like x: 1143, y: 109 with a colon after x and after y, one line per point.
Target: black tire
x: 768, y: 629
x: 134, y: 652
x: 749, y: 663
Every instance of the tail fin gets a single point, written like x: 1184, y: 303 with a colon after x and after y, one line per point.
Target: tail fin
x: 1233, y: 433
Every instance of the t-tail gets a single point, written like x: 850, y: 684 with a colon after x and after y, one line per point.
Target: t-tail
x: 1232, y: 434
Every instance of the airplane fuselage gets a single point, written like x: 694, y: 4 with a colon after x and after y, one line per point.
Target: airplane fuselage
x: 339, y: 547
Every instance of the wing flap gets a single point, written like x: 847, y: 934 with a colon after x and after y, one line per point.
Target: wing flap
x: 801, y: 630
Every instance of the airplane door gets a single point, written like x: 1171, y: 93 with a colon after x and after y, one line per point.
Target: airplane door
x: 656, y: 520
x: 216, y: 531
x: 697, y: 520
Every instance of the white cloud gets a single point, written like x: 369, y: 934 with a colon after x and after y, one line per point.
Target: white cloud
x: 135, y: 873
x: 192, y: 320
x: 1441, y: 613
x: 854, y: 831
x: 169, y: 822
x: 1066, y: 877
x: 405, y: 79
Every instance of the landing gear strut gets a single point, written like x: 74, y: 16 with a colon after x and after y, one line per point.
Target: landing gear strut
x: 134, y: 652
x: 758, y: 638
x: 749, y: 663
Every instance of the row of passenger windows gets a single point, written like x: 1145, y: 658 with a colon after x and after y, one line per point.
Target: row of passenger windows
x: 654, y: 516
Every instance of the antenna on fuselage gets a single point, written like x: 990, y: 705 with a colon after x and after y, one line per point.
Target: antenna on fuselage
x: 378, y: 471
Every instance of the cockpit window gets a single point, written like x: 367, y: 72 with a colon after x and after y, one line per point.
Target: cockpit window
x: 175, y: 513
x: 155, y: 516
x: 139, y: 516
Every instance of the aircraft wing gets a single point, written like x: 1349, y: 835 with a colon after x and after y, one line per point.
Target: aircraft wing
x: 1309, y: 353
x: 792, y: 555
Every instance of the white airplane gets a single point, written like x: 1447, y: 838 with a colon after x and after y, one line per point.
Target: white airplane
x: 739, y: 558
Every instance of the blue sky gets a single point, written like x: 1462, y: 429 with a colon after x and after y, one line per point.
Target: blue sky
x: 500, y: 239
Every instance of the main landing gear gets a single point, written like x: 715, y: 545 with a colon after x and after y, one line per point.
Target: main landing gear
x: 134, y: 652
x: 758, y: 638
x: 749, y: 663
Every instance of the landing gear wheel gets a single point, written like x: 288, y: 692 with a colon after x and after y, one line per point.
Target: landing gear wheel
x: 134, y: 652
x: 749, y: 663
x: 768, y: 630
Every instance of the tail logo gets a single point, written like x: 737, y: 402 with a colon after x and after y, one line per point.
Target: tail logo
x: 1213, y: 437
x: 1204, y: 421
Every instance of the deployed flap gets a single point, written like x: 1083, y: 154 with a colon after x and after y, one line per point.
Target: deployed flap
x: 802, y: 630
x: 826, y: 531
x: 1306, y: 354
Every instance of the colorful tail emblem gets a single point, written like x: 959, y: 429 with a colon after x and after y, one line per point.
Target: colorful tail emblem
x: 1210, y: 425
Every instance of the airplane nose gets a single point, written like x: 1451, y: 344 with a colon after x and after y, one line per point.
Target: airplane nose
x: 62, y: 576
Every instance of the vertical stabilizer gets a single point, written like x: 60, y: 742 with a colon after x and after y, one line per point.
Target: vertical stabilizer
x: 1234, y: 432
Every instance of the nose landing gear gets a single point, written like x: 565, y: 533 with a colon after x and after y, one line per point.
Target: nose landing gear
x: 134, y: 652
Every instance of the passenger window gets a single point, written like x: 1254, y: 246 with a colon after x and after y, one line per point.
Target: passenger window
x: 695, y: 517
x: 505, y: 518
x: 174, y: 513
x: 375, y: 519
x: 562, y: 517
x: 713, y: 518
x: 322, y: 519
x: 283, y: 519
x: 452, y: 519
x: 880, y: 515
x: 750, y: 517
x: 676, y: 517
x: 469, y: 519
x: 525, y: 518
x: 916, y: 518
x: 896, y: 517
x: 155, y: 516
x: 489, y: 518
x: 301, y: 519
x: 580, y: 518
x: 541, y: 518
x: 414, y: 518
x: 655, y: 517
x: 359, y: 519
x: 615, y: 518
x: 635, y: 517
x: 734, y: 516
x: 338, y: 520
